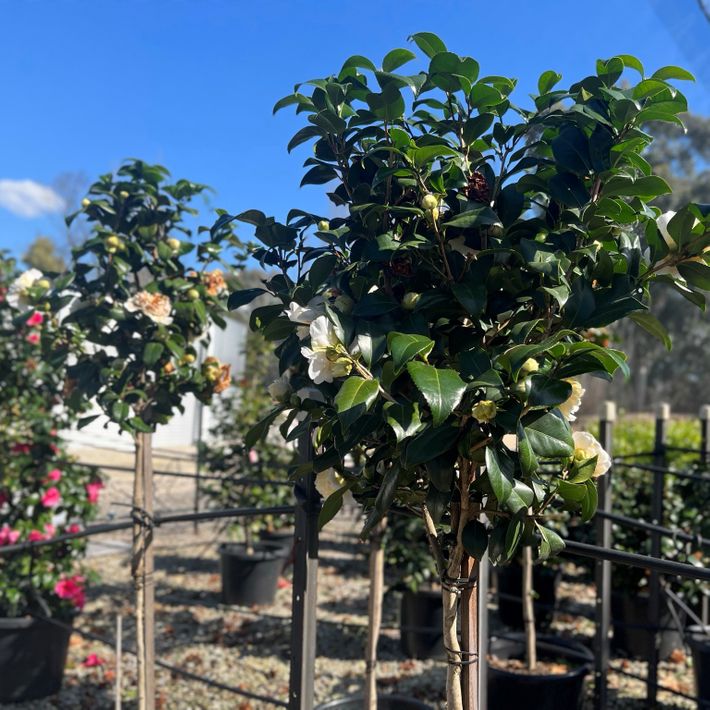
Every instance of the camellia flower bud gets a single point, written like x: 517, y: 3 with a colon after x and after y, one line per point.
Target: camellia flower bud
x: 123, y: 195
x: 193, y: 294
x: 323, y: 225
x: 85, y: 202
x: 529, y: 366
x: 410, y: 300
x: 43, y: 283
x: 484, y: 411
x: 173, y: 243
x: 188, y: 358
x: 112, y: 241
x: 429, y: 202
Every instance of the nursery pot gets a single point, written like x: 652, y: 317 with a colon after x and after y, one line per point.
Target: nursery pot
x: 564, y: 691
x: 249, y: 579
x: 630, y: 613
x: 546, y: 581
x: 32, y: 657
x: 699, y: 642
x: 420, y: 624
x: 384, y: 702
x: 282, y: 538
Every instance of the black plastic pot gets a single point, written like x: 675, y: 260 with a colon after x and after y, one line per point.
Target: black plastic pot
x: 546, y: 581
x: 282, y: 538
x: 384, y: 702
x: 699, y: 642
x: 629, y: 614
x: 32, y: 657
x: 420, y: 624
x: 508, y: 689
x: 249, y: 579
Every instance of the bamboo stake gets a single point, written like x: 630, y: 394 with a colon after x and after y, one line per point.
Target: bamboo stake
x: 142, y: 567
x: 469, y: 636
x: 529, y: 610
x: 377, y: 583
x: 119, y: 661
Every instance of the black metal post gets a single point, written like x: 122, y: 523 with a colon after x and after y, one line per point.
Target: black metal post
x: 483, y: 574
x: 602, y: 568
x: 663, y: 414
x: 704, y: 434
x: 305, y: 577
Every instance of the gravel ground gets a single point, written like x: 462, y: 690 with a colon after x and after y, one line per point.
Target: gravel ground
x: 249, y: 648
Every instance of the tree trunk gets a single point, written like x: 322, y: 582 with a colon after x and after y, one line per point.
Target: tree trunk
x: 142, y: 566
x: 529, y: 610
x: 377, y: 582
x: 469, y: 636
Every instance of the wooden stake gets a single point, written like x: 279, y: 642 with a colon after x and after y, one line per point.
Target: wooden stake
x: 142, y: 567
x: 119, y: 661
x: 377, y: 583
x: 529, y: 609
x: 469, y: 636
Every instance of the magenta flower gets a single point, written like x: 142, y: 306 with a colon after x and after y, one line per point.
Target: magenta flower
x: 92, y: 661
x: 54, y: 475
x: 74, y: 528
x: 35, y: 319
x: 92, y: 491
x: 33, y: 338
x: 3, y: 497
x: 21, y: 448
x: 71, y: 588
x: 51, y: 497
x: 8, y: 536
x: 36, y: 536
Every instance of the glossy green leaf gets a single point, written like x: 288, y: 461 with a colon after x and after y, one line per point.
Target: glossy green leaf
x: 152, y: 353
x: 404, y: 419
x: 429, y: 43
x: 500, y: 471
x: 396, y: 58
x: 652, y: 325
x: 549, y: 434
x: 442, y: 388
x: 550, y: 543
x: 355, y: 397
x: 237, y: 299
x: 474, y: 537
x: 406, y: 346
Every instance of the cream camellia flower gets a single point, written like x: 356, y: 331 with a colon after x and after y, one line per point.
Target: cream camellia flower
x: 154, y: 305
x: 662, y: 224
x: 484, y: 411
x: 529, y: 366
x: 459, y: 244
x: 326, y: 361
x: 280, y: 388
x: 329, y: 482
x: 17, y: 293
x: 572, y: 404
x: 587, y: 447
x: 305, y: 315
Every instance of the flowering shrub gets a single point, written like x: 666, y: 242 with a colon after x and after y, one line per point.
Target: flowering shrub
x: 43, y: 491
x: 446, y: 307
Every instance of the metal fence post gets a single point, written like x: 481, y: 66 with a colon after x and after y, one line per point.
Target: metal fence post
x: 704, y: 434
x: 602, y: 568
x: 663, y: 414
x: 305, y: 577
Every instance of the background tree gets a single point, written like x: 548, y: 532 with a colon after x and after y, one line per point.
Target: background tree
x: 42, y: 254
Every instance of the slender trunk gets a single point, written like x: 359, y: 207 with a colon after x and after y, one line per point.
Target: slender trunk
x: 529, y: 610
x: 142, y: 566
x: 469, y: 636
x: 377, y: 583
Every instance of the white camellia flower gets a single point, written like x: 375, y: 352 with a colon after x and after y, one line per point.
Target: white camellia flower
x: 329, y: 481
x: 570, y: 407
x: 324, y: 364
x: 587, y: 447
x: 154, y: 305
x: 305, y: 315
x: 662, y: 224
x: 280, y: 388
x: 459, y: 244
x: 17, y: 292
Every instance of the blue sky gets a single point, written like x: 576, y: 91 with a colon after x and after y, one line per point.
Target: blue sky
x: 191, y: 83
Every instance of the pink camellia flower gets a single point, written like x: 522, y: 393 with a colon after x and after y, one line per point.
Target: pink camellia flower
x: 8, y: 536
x: 36, y: 536
x: 54, y: 475
x: 33, y: 338
x: 35, y: 320
x: 21, y: 448
x: 92, y: 661
x: 253, y: 456
x: 49, y: 531
x: 51, y: 497
x: 71, y: 588
x: 92, y: 491
x: 74, y: 528
x: 54, y: 448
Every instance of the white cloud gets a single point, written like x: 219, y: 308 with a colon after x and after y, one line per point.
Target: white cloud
x: 27, y: 198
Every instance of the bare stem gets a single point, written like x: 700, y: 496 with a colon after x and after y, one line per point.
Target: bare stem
x: 529, y: 610
x: 377, y: 581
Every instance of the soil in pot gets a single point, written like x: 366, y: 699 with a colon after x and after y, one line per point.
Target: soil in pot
x: 384, y: 702
x: 630, y: 614
x: 557, y: 684
x: 250, y: 578
x: 32, y: 657
x: 546, y: 580
x: 699, y: 642
x: 420, y: 624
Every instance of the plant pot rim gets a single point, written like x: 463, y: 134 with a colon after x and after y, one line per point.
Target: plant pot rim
x: 263, y: 551
x: 27, y: 621
x: 581, y: 667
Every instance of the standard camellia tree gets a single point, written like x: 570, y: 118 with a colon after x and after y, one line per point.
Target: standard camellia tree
x: 441, y: 317
x: 43, y: 491
x: 141, y: 309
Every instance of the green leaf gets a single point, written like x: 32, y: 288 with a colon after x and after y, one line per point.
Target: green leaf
x: 631, y: 62
x: 471, y: 296
x: 404, y: 419
x: 550, y: 544
x: 513, y: 535
x: 479, y: 216
x: 355, y: 397
x: 255, y: 217
x: 396, y: 58
x: 429, y: 43
x: 475, y: 127
x: 652, y: 325
x: 546, y: 391
x: 568, y: 189
x: 261, y: 428
x: 406, y: 346
x: 385, y: 496
x: 571, y: 150
x: 696, y: 274
x: 241, y: 298
x: 152, y: 353
x: 321, y: 269
x: 331, y: 506
x: 500, y: 473
x: 474, y: 537
x: 374, y: 304
x: 549, y: 434
x: 359, y: 62
x: 442, y: 388
x: 590, y: 501
x: 646, y: 187
x: 430, y: 444
x: 389, y: 105
x: 672, y: 72
x: 520, y: 498
x: 547, y: 80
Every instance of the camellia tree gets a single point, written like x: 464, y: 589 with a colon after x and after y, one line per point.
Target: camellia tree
x: 43, y: 491
x: 144, y: 295
x: 441, y: 317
